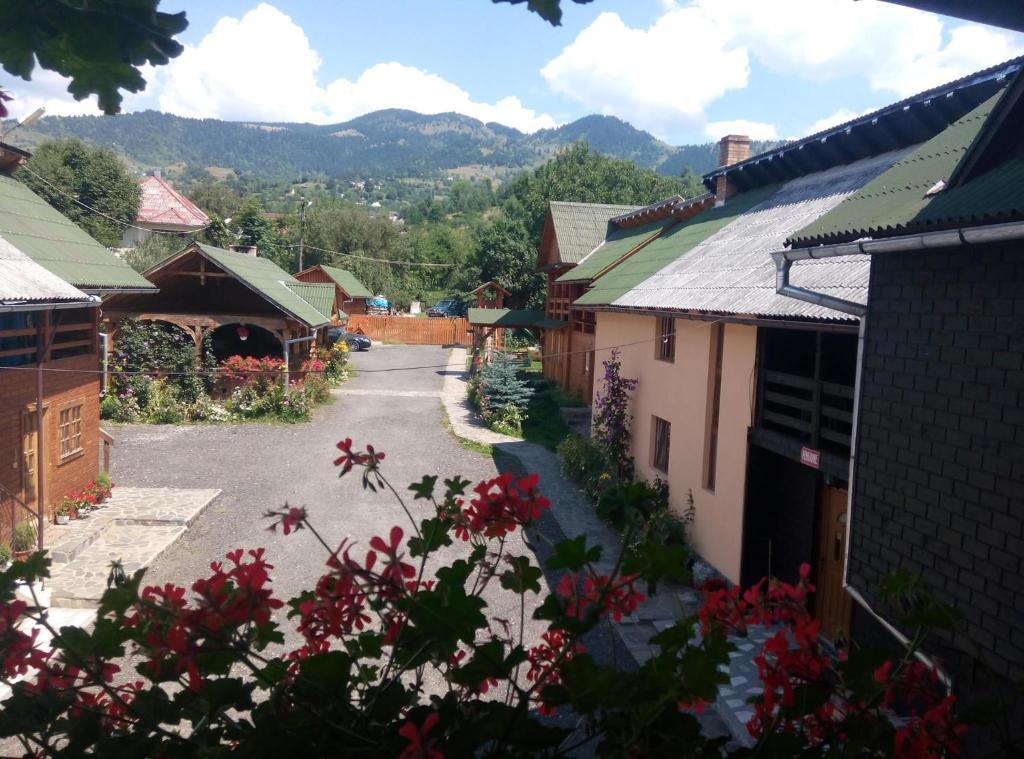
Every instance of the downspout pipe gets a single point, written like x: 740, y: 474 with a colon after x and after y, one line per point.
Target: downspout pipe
x: 287, y: 349
x: 784, y: 260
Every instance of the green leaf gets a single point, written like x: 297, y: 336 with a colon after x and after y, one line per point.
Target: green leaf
x: 656, y: 561
x: 425, y: 487
x: 435, y: 535
x: 573, y: 554
x: 455, y: 486
x: 523, y: 576
x: 99, y: 46
x: 488, y: 661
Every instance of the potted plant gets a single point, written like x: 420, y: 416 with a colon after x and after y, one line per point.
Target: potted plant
x: 24, y: 541
x: 62, y: 514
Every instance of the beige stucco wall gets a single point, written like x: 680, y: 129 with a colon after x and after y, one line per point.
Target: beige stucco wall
x: 678, y: 393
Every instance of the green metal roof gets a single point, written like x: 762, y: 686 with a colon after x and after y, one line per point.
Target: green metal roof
x: 320, y: 295
x: 670, y: 245
x: 896, y: 201
x: 619, y: 243
x: 347, y: 281
x: 59, y: 245
x: 269, y: 280
x: 580, y: 227
x: 507, y: 317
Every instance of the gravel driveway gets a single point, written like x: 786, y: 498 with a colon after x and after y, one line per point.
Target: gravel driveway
x: 259, y: 466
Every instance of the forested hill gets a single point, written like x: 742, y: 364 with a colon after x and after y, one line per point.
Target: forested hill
x: 390, y: 142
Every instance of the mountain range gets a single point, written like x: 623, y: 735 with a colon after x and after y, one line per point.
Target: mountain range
x: 393, y: 142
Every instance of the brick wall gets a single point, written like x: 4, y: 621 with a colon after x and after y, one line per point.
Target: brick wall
x: 940, y: 463
x: 18, y: 393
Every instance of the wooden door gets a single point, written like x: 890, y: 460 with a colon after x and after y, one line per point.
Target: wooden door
x: 833, y: 603
x: 31, y: 460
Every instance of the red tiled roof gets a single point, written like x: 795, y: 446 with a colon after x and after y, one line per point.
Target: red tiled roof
x: 162, y: 204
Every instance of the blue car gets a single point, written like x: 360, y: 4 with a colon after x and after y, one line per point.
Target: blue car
x: 355, y: 342
x: 449, y: 307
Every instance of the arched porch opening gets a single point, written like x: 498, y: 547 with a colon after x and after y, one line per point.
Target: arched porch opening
x: 244, y: 340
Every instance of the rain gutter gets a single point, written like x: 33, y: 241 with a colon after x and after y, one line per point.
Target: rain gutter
x: 784, y: 259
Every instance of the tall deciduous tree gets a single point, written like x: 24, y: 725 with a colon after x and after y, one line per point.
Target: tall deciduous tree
x: 256, y: 229
x: 580, y: 174
x: 96, y: 177
x: 506, y: 254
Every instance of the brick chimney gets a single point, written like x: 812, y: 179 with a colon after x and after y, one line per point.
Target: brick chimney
x: 249, y: 250
x: 732, y: 149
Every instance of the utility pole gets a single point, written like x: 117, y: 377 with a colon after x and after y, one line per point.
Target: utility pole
x: 302, y: 229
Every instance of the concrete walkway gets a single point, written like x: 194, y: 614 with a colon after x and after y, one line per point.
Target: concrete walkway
x: 136, y: 526
x: 575, y: 514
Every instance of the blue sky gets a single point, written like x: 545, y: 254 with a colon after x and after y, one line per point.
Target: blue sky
x: 686, y: 70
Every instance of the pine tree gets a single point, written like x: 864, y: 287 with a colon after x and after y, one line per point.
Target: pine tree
x: 502, y: 386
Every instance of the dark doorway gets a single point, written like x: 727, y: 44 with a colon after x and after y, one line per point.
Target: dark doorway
x: 780, y: 517
x: 226, y: 341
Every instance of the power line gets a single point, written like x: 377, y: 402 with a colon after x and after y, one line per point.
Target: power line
x: 381, y: 260
x: 107, y: 216
x: 48, y: 183
x: 362, y: 370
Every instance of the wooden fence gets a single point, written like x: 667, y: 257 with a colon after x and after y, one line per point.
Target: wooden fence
x: 411, y: 330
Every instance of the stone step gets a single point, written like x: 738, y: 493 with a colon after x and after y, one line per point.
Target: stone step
x: 80, y: 583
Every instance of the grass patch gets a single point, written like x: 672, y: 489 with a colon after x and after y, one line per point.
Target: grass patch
x: 484, y: 449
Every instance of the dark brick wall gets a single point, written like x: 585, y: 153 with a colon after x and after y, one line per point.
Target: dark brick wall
x: 940, y: 458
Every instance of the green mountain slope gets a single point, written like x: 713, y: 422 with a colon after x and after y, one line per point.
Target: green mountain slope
x: 391, y: 142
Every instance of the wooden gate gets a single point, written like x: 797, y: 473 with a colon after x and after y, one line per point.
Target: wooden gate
x: 411, y: 330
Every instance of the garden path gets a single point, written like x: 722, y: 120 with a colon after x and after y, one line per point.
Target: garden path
x: 575, y: 515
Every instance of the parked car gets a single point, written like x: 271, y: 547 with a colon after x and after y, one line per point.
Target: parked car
x: 449, y: 307
x: 355, y: 341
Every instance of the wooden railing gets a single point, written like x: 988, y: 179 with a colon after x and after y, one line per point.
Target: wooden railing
x: 108, y: 442
x: 819, y: 412
x: 411, y: 330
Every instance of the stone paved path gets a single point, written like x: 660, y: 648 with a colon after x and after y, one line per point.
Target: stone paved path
x: 576, y: 516
x: 136, y: 527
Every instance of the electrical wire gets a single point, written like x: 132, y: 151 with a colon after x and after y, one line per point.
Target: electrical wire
x: 48, y: 183
x: 107, y: 216
x: 370, y: 258
x: 362, y: 370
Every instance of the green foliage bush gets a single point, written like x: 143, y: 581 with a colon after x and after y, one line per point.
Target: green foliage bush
x: 163, y: 406
x: 584, y: 463
x: 25, y: 537
x: 145, y: 349
x: 507, y: 419
x: 316, y: 388
x: 5, y: 554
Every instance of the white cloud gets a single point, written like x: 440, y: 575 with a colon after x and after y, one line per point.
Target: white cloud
x: 261, y: 67
x: 393, y: 85
x: 660, y: 78
x: 757, y: 130
x: 839, y: 116
x: 663, y: 77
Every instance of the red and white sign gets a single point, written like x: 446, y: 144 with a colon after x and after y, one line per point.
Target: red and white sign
x: 810, y: 457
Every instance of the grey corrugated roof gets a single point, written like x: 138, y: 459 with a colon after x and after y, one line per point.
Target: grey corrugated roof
x: 580, y: 227
x: 22, y: 279
x: 732, y: 272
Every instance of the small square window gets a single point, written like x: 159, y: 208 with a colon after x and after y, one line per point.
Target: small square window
x: 666, y: 339
x: 661, y: 433
x: 70, y: 428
